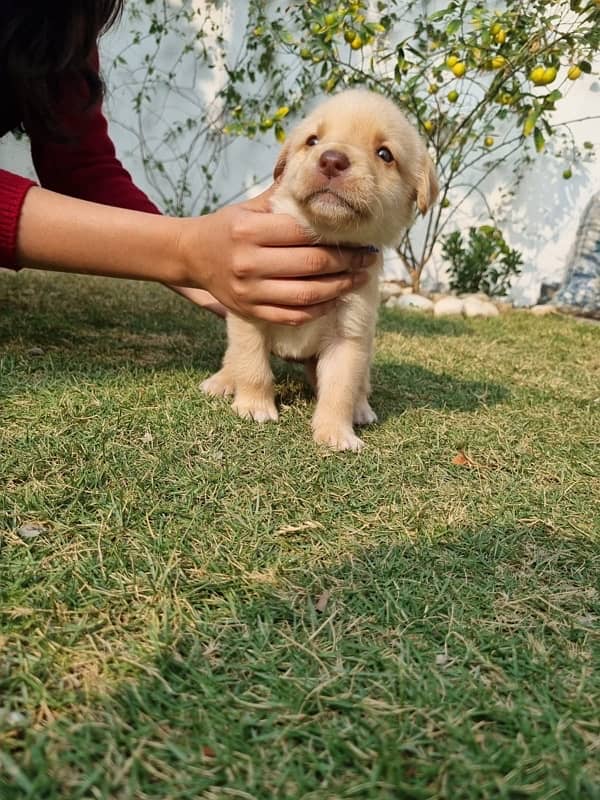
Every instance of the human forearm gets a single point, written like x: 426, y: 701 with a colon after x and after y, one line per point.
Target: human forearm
x: 60, y: 233
x: 251, y: 261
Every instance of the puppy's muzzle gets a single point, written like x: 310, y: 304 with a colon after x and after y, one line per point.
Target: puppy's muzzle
x: 332, y: 163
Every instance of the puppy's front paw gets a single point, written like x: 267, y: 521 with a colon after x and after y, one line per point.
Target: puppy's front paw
x: 338, y: 437
x: 218, y: 385
x: 260, y: 409
x: 363, y: 413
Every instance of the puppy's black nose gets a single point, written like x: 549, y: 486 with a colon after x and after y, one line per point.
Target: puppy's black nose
x: 332, y: 162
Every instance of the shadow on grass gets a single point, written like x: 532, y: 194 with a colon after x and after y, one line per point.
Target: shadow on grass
x: 50, y: 331
x: 435, y: 668
x: 400, y: 386
x: 412, y: 323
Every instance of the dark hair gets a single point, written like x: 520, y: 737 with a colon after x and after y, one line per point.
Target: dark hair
x: 41, y: 44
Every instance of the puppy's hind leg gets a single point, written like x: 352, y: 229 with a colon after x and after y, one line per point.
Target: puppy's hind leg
x: 363, y: 413
x: 310, y: 370
x: 247, y: 361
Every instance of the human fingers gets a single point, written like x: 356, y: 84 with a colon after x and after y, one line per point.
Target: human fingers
x: 301, y: 293
x: 301, y: 262
x: 292, y: 315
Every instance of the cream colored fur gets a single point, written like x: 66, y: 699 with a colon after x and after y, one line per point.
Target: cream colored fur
x: 369, y: 203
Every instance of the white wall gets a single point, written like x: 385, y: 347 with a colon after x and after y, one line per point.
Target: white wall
x: 540, y: 221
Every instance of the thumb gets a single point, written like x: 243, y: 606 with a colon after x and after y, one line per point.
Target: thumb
x: 261, y: 202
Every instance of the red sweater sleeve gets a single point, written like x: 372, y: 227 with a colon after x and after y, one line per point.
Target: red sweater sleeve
x: 13, y: 189
x: 83, y: 166
x: 86, y: 166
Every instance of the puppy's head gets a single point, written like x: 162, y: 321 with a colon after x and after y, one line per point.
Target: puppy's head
x: 354, y: 169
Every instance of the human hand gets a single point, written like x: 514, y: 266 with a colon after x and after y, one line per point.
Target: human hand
x: 202, y: 299
x: 266, y: 266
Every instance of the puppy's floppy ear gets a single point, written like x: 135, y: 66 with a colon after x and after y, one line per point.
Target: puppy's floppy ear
x: 281, y: 162
x: 427, y: 183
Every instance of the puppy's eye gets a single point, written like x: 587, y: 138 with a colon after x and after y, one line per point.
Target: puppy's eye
x: 385, y: 155
x: 312, y: 141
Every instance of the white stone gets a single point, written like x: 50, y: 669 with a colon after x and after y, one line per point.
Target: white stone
x: 448, y: 306
x: 31, y: 530
x: 503, y: 306
x: 473, y: 307
x: 412, y: 302
x: 542, y: 310
x: 475, y: 296
x: 389, y: 289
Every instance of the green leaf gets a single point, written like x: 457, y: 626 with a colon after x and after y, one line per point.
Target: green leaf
x: 453, y: 27
x: 538, y: 139
x: 437, y: 15
x: 529, y: 123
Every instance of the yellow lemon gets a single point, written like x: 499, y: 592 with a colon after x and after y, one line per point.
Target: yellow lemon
x: 498, y: 62
x: 433, y: 88
x: 549, y: 75
x: 500, y: 37
x: 574, y: 72
x: 496, y: 28
x: 331, y: 19
x: 451, y: 61
x: 453, y: 96
x: 459, y: 69
x: 488, y: 141
x: 537, y: 75
x: 356, y: 43
x: 349, y: 35
x: 428, y: 125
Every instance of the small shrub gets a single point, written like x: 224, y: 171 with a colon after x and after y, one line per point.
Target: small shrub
x: 484, y: 264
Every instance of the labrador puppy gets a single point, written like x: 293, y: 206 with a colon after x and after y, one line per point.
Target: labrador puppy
x: 351, y: 173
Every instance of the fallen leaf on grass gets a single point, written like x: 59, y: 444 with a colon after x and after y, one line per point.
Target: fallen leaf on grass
x: 208, y: 752
x: 322, y: 601
x: 461, y: 459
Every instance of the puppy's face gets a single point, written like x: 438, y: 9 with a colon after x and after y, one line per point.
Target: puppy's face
x: 354, y: 170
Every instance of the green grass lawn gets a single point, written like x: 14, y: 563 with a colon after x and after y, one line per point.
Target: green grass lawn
x: 222, y: 610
